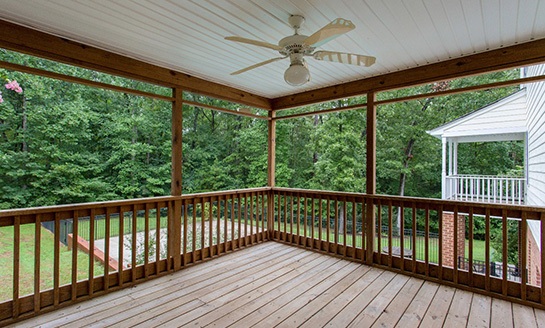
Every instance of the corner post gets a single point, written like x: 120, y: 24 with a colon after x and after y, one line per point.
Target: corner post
x: 271, y: 162
x: 174, y: 248
x: 371, y: 175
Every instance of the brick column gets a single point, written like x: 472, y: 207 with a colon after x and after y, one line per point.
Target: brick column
x: 448, y: 239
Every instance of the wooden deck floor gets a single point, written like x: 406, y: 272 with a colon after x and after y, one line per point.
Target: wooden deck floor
x: 273, y: 284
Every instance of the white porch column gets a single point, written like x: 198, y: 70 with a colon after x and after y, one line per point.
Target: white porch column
x: 450, y: 162
x: 444, y: 169
x: 455, y: 159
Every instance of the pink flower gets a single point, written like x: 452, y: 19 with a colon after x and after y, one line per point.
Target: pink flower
x: 1, y: 99
x: 13, y: 85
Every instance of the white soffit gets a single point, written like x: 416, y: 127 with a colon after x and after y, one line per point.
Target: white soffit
x: 188, y: 36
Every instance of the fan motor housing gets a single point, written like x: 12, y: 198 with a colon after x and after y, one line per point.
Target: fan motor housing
x: 295, y: 44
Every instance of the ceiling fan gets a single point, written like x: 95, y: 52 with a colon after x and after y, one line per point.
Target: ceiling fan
x: 297, y: 46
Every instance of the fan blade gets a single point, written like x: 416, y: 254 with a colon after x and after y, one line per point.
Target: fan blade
x: 257, y: 65
x: 329, y: 32
x: 254, y: 42
x: 344, y: 58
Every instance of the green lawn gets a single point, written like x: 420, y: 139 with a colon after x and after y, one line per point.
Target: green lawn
x: 478, y: 245
x: 26, y: 284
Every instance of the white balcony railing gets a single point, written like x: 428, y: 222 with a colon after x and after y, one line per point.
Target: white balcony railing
x: 485, y: 188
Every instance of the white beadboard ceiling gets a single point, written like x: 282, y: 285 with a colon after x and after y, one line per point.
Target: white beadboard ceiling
x: 188, y: 36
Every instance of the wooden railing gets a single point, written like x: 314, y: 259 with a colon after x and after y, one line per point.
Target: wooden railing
x: 485, y: 188
x: 63, y: 254
x: 346, y: 225
x: 112, y: 245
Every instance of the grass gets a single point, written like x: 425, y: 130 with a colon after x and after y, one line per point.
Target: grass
x: 478, y: 245
x: 26, y: 264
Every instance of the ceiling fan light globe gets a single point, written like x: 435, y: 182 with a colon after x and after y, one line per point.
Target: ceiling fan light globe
x: 297, y: 75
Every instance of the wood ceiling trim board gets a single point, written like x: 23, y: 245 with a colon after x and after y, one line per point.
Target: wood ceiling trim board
x: 26, y: 40
x: 504, y: 58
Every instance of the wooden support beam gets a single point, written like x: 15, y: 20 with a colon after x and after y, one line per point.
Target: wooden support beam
x: 500, y: 59
x: 175, y: 206
x: 26, y: 40
x: 371, y: 176
x: 271, y: 160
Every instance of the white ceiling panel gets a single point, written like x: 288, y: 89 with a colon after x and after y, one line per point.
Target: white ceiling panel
x: 188, y: 36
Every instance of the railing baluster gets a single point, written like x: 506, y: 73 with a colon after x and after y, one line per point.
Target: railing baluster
x: 298, y: 233
x: 233, y: 239
x: 336, y: 226
x: 345, y: 213
x: 121, y: 230
x: 258, y: 216
x: 157, y: 238
x: 304, y: 198
x: 455, y: 246
x: 225, y: 228
x: 390, y: 233
x: 379, y: 231
x: 401, y: 210
x: 16, y: 263
x: 354, y: 228
x: 210, y: 203
x: 427, y: 240
x: 504, y: 252
x: 239, y: 221
x: 37, y: 267
x: 75, y: 235
x: 284, y: 236
x: 328, y: 216
x: 312, y: 220
x: 470, y: 243
x: 91, y: 272
x: 252, y: 218
x: 523, y: 260
x: 184, y: 236
x: 440, y: 250
x: 146, y: 240
x: 56, y: 260
x: 320, y: 219
x: 487, y: 249
x: 413, y: 235
x: 106, y: 248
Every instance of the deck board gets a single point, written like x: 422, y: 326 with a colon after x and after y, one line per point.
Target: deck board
x: 276, y: 285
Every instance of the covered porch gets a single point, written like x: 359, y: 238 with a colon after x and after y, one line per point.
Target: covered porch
x: 228, y: 257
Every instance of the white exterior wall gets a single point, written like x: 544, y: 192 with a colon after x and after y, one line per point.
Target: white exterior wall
x: 536, y: 138
x: 536, y: 145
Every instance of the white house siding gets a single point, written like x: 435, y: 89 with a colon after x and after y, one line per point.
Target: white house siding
x: 536, y: 138
x: 506, y: 114
x: 536, y: 145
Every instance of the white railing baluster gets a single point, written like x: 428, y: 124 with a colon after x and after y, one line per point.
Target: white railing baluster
x: 485, y: 188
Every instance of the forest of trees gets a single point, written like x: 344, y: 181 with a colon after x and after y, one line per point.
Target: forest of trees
x: 66, y: 143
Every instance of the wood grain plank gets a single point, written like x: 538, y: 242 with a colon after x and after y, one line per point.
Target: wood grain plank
x: 523, y: 316
x: 458, y: 313
x: 479, y: 315
x: 191, y: 275
x: 334, y: 281
x: 369, y: 315
x: 349, y: 313
x: 391, y: 315
x: 302, y: 314
x: 243, y: 313
x: 325, y: 314
x: 501, y: 314
x: 437, y: 312
x: 413, y: 315
x: 330, y: 271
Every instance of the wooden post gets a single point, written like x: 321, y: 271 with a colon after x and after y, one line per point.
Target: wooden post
x: 371, y: 175
x: 271, y: 161
x: 175, y: 206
